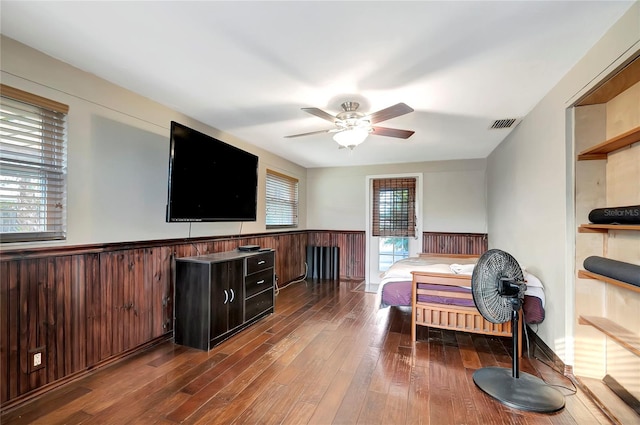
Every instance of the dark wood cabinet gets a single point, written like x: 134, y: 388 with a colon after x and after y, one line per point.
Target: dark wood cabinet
x: 225, y: 297
x: 220, y: 294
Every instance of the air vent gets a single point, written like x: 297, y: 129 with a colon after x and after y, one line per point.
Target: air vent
x: 504, y: 123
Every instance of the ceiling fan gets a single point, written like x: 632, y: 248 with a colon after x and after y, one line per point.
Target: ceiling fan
x: 353, y: 127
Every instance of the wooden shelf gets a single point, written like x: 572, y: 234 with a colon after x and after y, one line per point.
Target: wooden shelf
x: 622, y: 336
x: 604, y: 228
x: 601, y: 150
x: 613, y: 407
x: 584, y: 274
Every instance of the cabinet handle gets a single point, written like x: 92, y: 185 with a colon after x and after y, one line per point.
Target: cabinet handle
x: 226, y: 296
x: 261, y: 262
x: 232, y: 296
x: 260, y: 281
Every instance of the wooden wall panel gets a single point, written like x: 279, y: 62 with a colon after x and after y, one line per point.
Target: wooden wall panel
x: 159, y: 283
x: 27, y: 320
x: 454, y: 243
x: 4, y: 332
x: 352, y: 246
x: 352, y: 250
x: 9, y: 342
x: 57, y: 322
x: 108, y: 275
x: 290, y: 254
x: 354, y: 260
x: 84, y: 273
x: 88, y: 273
x: 89, y: 305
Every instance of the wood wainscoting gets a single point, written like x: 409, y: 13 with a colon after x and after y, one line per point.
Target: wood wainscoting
x: 352, y: 250
x: 84, y: 307
x: 454, y: 243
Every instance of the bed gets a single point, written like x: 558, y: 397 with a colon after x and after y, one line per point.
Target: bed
x: 438, y: 288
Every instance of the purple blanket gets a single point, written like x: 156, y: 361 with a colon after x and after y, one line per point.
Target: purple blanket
x: 399, y: 294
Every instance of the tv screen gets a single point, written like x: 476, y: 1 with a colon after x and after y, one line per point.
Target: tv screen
x: 209, y: 180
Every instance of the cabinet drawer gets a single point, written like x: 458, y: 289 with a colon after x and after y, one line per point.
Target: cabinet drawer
x: 258, y: 304
x: 259, y: 262
x: 258, y: 282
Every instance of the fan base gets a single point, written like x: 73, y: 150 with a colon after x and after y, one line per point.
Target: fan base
x: 524, y: 393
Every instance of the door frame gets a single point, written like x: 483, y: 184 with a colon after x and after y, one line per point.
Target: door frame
x: 369, y: 193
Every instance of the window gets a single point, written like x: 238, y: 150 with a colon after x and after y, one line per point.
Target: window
x: 394, y: 207
x: 33, y: 167
x: 282, y: 200
x: 391, y: 250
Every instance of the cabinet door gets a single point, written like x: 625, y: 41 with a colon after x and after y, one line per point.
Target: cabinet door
x: 236, y: 293
x: 219, y: 299
x: 227, y: 296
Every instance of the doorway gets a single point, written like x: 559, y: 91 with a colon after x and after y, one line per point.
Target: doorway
x: 394, y: 222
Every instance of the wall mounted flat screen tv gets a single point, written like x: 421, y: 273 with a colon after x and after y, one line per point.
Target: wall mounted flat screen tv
x: 209, y: 180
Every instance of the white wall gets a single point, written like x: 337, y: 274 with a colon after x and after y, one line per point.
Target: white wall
x: 530, y: 183
x: 118, y: 155
x: 453, y: 195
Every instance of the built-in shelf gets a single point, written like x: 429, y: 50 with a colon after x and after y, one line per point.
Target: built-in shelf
x: 585, y: 274
x: 615, y: 177
x: 621, y: 335
x: 603, y: 228
x: 601, y: 150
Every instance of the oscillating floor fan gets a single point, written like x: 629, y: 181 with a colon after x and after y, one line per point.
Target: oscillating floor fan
x: 498, y: 287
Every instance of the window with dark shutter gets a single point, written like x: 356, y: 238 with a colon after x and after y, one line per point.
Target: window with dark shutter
x: 394, y: 207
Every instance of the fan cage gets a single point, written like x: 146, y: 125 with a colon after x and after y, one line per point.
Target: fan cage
x: 493, y: 266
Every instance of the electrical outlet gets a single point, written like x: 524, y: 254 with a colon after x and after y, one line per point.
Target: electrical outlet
x: 36, y: 359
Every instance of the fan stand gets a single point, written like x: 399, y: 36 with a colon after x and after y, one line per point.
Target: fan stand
x: 521, y: 391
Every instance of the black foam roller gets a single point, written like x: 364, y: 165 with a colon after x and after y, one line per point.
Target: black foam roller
x: 624, y: 272
x: 616, y: 215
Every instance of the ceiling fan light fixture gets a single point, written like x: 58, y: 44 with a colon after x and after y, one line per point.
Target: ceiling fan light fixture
x: 352, y: 137
x: 352, y: 127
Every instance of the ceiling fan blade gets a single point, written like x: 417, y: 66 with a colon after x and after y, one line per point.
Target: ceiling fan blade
x: 310, y: 133
x: 392, y: 132
x: 320, y: 114
x: 390, y: 112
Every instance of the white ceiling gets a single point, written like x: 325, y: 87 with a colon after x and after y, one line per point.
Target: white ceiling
x: 247, y: 68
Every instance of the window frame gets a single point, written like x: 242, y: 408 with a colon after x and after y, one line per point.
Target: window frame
x: 407, y: 210
x: 47, y: 169
x: 288, y: 205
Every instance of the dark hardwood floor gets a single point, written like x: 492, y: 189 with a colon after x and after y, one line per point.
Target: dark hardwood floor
x: 327, y: 356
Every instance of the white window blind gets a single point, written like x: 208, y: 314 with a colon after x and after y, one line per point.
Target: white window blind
x: 33, y: 167
x: 282, y: 200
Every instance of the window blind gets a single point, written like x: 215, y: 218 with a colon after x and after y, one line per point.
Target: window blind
x: 32, y: 167
x: 394, y: 207
x: 282, y: 200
